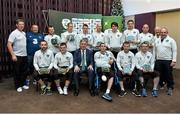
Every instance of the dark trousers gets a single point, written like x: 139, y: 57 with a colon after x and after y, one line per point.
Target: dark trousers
x: 163, y: 66
x: 134, y: 79
x: 90, y: 78
x: 49, y: 76
x: 30, y: 65
x: 146, y: 76
x: 108, y: 74
x: 68, y: 75
x: 20, y: 71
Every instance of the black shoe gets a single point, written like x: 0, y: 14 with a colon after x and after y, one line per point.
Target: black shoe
x: 92, y: 93
x: 49, y: 92
x: 122, y: 93
x: 76, y: 92
x: 97, y: 91
x: 170, y: 92
x: 136, y: 93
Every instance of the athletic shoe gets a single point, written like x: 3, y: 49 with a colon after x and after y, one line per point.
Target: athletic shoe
x: 136, y: 93
x: 107, y: 97
x: 49, y: 92
x: 144, y: 93
x: 169, y: 92
x: 122, y: 93
x: 65, y: 91
x: 43, y: 91
x: 27, y: 82
x: 34, y: 82
x: 19, y: 89
x: 155, y: 93
x: 25, y: 87
x: 60, y: 90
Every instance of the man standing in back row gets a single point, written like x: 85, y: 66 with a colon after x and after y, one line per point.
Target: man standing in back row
x: 132, y: 36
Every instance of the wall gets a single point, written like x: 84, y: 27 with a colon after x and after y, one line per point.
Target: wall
x: 171, y: 20
x: 148, y: 18
x: 133, y: 7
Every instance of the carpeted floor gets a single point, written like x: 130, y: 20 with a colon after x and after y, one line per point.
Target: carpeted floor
x: 31, y: 101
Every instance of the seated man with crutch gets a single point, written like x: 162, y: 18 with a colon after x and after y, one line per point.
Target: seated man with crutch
x: 145, y: 69
x: 104, y: 61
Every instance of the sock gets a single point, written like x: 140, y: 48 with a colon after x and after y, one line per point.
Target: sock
x: 27, y: 82
x: 108, y: 91
x: 48, y: 87
x: 65, y: 87
x: 122, y: 89
x: 154, y: 88
x: 42, y: 87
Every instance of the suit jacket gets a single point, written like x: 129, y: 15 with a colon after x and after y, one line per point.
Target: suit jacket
x: 77, y: 57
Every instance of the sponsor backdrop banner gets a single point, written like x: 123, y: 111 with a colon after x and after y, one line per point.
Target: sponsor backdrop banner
x: 59, y: 20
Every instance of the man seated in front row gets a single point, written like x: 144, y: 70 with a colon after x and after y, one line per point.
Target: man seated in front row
x: 83, y: 63
x: 43, y: 64
x: 126, y: 65
x: 145, y: 68
x: 103, y: 61
x: 63, y: 65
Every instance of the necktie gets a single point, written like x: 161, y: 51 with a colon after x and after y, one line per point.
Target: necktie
x: 83, y: 61
x: 162, y: 39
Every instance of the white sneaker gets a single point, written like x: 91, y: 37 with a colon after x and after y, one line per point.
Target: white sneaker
x: 60, y: 91
x: 19, y: 89
x: 65, y: 91
x: 25, y: 87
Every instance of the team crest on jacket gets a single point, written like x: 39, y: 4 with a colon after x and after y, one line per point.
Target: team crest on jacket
x: 129, y: 57
x: 134, y: 32
x: 107, y: 54
x: 67, y: 58
x: 148, y: 57
x: 47, y: 55
x: 167, y: 40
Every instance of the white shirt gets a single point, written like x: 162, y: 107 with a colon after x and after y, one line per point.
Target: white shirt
x: 43, y: 60
x: 52, y: 47
x: 18, y: 39
x: 102, y: 60
x: 109, y: 31
x: 132, y: 35
x: 156, y: 37
x: 63, y: 60
x: 124, y: 59
x: 88, y: 36
x: 114, y: 40
x: 98, y: 37
x: 148, y: 37
x: 70, y: 39
x: 142, y: 59
x: 166, y: 50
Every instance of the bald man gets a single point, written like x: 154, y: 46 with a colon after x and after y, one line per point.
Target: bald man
x: 145, y: 36
x: 98, y: 36
x: 157, y: 31
x: 166, y: 54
